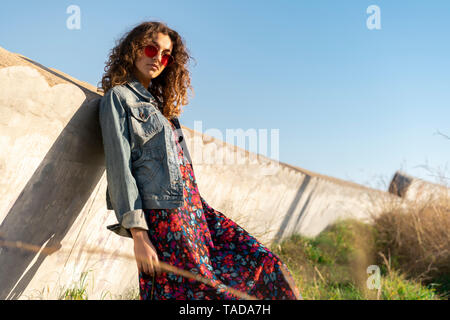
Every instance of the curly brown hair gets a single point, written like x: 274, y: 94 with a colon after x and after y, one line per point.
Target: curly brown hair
x: 171, y: 86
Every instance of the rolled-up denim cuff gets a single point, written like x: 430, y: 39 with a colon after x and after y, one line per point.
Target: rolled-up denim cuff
x: 134, y: 219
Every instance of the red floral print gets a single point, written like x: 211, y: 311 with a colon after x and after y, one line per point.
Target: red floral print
x: 202, y: 240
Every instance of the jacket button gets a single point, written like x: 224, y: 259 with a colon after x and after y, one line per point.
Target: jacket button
x: 180, y: 139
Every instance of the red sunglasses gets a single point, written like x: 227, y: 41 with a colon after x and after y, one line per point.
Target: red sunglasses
x: 151, y: 51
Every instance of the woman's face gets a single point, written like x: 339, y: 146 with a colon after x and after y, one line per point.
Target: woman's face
x: 149, y: 68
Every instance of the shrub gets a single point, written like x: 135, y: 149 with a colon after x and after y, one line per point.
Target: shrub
x: 417, y: 239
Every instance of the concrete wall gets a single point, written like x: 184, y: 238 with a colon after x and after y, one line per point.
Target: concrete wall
x: 53, y: 185
x: 417, y: 190
x: 275, y: 200
x: 53, y: 188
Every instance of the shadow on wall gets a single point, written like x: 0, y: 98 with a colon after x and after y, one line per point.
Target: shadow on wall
x: 292, y: 209
x: 52, y: 199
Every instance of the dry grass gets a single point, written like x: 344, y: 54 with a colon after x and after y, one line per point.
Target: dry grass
x: 417, y: 238
x: 333, y: 266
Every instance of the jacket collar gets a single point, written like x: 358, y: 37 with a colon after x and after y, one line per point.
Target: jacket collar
x: 137, y: 86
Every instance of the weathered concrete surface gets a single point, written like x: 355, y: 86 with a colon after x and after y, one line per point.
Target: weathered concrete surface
x: 274, y: 200
x: 53, y: 188
x: 53, y: 184
x: 417, y: 190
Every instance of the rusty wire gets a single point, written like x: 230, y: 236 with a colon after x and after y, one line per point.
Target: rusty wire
x: 164, y: 267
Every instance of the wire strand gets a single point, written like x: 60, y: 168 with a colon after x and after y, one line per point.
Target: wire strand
x: 165, y: 267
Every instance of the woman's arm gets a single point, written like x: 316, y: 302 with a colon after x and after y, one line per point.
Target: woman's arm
x: 123, y: 191
x: 144, y: 251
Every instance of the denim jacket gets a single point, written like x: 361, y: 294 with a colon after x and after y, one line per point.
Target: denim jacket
x: 142, y: 166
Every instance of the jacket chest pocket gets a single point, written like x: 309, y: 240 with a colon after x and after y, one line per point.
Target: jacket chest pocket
x: 145, y: 121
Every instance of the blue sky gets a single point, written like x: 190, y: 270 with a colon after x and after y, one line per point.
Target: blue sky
x: 349, y: 102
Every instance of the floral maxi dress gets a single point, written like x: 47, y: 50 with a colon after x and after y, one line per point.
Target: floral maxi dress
x: 203, y: 241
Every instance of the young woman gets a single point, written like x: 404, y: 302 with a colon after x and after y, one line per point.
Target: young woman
x: 152, y: 186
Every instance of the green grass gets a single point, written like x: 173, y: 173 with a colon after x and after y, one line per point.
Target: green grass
x: 397, y: 287
x: 333, y: 266
x: 78, y: 291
